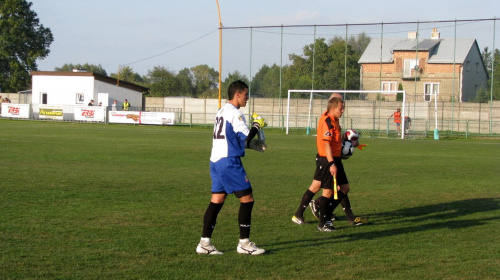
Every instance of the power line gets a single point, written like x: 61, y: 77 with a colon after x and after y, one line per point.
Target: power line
x: 170, y: 50
x: 361, y: 24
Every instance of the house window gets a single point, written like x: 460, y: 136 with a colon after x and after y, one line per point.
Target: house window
x: 44, y: 98
x: 409, y: 65
x: 477, y: 67
x: 79, y: 98
x: 389, y: 86
x: 430, y: 89
x: 467, y: 66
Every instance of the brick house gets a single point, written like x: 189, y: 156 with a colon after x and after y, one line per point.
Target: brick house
x: 426, y: 68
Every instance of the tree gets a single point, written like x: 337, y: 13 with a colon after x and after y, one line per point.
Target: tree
x: 487, y: 59
x: 163, y: 82
x: 484, y: 94
x: 23, y: 40
x: 359, y: 43
x: 186, y: 85
x: 88, y: 67
x: 127, y: 74
x: 330, y: 65
x: 266, y: 82
x: 231, y: 77
x: 205, y: 80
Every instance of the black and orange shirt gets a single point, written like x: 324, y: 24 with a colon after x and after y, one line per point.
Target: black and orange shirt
x: 328, y: 130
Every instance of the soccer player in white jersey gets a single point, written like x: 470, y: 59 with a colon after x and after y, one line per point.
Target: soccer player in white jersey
x: 230, y: 138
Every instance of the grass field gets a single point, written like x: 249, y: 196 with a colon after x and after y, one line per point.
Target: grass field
x: 93, y: 201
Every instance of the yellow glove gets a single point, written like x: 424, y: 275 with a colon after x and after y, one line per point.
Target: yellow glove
x: 258, y: 121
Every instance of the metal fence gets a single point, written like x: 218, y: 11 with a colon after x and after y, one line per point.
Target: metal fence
x: 370, y: 118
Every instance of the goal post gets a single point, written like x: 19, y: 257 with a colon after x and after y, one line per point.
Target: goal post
x: 367, y: 109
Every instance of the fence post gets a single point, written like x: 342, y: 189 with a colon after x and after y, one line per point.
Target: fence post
x: 426, y: 128
x: 467, y: 128
x: 387, y: 130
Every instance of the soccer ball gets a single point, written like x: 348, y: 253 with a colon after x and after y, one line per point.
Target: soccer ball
x: 347, y: 149
x: 350, y: 135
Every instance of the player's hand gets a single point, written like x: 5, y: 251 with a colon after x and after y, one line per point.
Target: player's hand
x: 257, y: 145
x: 333, y: 170
x: 258, y: 121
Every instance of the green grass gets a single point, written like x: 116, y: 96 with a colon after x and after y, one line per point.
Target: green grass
x: 93, y: 201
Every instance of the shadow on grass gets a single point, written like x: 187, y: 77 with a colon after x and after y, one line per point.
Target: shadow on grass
x: 437, y: 216
x: 440, y: 211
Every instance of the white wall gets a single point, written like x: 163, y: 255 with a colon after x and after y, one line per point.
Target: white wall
x: 62, y: 90
x: 118, y: 93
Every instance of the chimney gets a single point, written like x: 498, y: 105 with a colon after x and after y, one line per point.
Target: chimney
x: 412, y: 35
x: 435, y: 34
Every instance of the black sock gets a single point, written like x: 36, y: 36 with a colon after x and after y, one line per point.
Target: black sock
x: 324, y: 211
x: 245, y: 219
x: 346, y: 205
x: 210, y: 219
x: 335, y: 202
x: 306, y: 198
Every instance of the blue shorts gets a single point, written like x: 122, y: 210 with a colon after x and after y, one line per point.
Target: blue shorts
x: 229, y: 176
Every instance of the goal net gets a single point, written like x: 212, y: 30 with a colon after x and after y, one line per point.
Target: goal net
x: 368, y: 112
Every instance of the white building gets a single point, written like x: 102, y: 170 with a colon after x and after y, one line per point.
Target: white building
x: 79, y: 88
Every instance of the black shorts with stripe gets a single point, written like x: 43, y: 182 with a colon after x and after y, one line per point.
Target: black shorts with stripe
x: 323, y: 174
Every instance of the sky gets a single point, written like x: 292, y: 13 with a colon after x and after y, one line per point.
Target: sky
x: 183, y: 34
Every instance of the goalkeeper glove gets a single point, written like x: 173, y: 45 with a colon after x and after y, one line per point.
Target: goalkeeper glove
x: 257, y: 145
x: 258, y: 121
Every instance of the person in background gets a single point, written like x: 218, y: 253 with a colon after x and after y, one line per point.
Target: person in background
x: 126, y: 105
x: 397, y: 120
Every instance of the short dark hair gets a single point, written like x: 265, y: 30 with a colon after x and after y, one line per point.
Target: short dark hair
x: 234, y: 87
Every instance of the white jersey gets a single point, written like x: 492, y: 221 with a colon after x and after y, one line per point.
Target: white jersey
x: 230, y: 132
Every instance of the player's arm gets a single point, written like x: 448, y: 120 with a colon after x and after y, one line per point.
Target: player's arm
x: 255, y: 144
x: 251, y: 135
x: 329, y: 157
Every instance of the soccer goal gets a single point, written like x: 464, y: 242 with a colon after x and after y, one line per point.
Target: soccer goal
x: 367, y: 112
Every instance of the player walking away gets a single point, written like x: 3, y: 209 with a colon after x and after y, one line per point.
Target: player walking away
x: 315, y: 186
x: 328, y: 162
x: 397, y: 119
x: 230, y: 138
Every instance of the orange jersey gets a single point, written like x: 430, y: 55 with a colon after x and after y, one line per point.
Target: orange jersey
x: 329, y: 130
x: 397, y: 117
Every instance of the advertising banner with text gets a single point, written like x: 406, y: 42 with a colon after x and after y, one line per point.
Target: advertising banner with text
x: 18, y: 111
x: 90, y: 113
x: 50, y: 112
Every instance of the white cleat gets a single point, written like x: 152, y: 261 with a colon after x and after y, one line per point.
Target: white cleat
x: 207, y: 250
x: 249, y: 248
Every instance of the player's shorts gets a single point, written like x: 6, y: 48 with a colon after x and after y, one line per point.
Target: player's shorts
x: 323, y: 174
x: 229, y: 176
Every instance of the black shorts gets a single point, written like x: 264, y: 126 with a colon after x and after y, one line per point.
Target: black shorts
x: 323, y: 174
